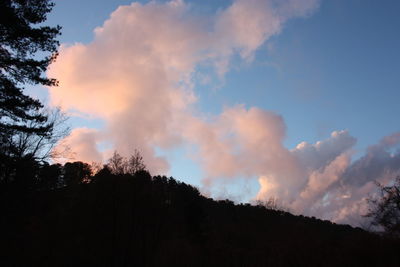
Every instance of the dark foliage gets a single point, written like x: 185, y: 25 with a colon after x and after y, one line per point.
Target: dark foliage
x: 54, y: 215
x: 138, y: 220
x: 24, y: 125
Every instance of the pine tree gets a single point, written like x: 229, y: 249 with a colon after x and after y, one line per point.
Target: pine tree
x: 26, y: 50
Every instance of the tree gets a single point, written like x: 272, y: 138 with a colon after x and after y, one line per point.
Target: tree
x: 120, y: 165
x: 50, y: 176
x: 39, y: 147
x: 385, y: 210
x: 135, y: 163
x: 76, y: 173
x: 24, y: 153
x: 20, y: 44
x: 117, y: 164
x: 272, y: 203
x: 26, y: 50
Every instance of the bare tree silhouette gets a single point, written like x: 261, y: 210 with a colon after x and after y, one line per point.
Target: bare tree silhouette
x: 385, y: 210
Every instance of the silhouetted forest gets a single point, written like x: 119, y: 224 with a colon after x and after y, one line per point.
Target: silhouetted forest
x: 118, y: 214
x: 70, y: 217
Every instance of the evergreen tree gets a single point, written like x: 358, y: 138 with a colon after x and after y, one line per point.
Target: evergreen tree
x: 26, y: 50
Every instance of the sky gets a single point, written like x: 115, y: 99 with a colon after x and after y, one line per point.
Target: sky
x: 246, y: 99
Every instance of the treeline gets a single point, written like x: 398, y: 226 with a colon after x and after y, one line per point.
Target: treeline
x: 109, y: 218
x: 27, y: 174
x: 118, y: 214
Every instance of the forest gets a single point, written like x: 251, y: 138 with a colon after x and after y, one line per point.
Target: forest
x: 118, y: 218
x: 117, y: 213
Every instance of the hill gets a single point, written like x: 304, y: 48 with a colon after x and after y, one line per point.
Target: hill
x: 140, y: 220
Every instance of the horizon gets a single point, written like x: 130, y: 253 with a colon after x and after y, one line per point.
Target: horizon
x: 298, y: 105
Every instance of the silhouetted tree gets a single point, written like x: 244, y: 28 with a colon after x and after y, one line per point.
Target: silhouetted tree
x: 135, y: 163
x: 270, y: 204
x: 22, y: 118
x: 385, y: 210
x: 96, y: 167
x: 76, y: 173
x: 25, y: 173
x: 49, y: 176
x: 120, y: 165
x: 117, y: 163
x: 39, y: 147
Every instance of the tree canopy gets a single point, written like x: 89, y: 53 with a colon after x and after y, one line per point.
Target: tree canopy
x: 26, y: 50
x: 20, y: 43
x: 125, y: 219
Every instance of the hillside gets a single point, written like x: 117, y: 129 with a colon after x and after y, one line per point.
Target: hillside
x: 139, y: 220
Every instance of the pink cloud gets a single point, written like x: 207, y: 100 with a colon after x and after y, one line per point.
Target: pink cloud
x: 84, y: 142
x: 137, y: 73
x: 138, y: 76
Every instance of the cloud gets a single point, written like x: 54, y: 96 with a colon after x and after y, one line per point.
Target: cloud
x: 317, y: 179
x: 138, y: 76
x: 137, y: 73
x: 316, y: 167
x: 315, y: 156
x: 84, y: 142
x: 379, y: 161
x: 334, y: 187
x: 240, y: 142
x: 246, y: 24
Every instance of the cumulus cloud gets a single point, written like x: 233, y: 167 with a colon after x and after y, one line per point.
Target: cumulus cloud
x: 317, y: 179
x: 379, y: 161
x: 137, y: 73
x: 317, y: 166
x: 333, y: 187
x: 240, y: 142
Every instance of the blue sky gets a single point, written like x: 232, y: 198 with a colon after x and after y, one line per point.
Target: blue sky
x: 335, y: 69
